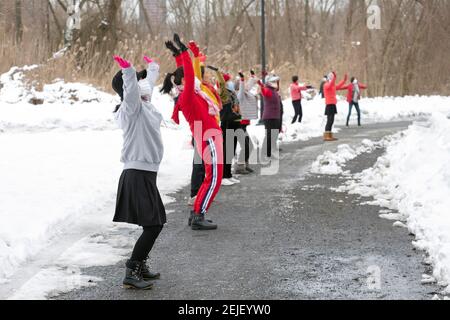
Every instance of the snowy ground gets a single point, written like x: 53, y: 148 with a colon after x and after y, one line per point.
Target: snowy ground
x: 412, y: 180
x: 60, y: 168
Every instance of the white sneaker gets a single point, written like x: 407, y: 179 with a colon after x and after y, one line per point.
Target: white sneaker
x: 227, y: 182
x: 234, y: 180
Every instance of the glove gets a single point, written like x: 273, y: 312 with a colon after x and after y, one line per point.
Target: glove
x: 181, y: 45
x: 148, y: 60
x: 169, y: 45
x: 194, y: 48
x: 124, y: 64
x: 202, y: 57
x: 213, y: 68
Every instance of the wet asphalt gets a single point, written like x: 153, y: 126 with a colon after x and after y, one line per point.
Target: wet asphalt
x: 283, y: 236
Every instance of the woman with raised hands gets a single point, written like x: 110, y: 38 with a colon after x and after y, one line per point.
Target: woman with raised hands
x: 138, y: 198
x: 201, y: 113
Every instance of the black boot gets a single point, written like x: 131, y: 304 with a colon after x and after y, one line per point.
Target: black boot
x: 249, y: 170
x: 199, y: 223
x: 146, y: 274
x: 191, y: 217
x: 133, y: 278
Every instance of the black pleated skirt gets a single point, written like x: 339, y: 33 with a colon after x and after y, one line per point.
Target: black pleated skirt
x: 330, y: 109
x: 138, y: 199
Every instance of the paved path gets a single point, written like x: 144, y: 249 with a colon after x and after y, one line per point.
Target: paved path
x: 282, y: 237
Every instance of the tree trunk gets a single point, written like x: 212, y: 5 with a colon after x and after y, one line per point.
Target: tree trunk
x: 19, y: 24
x: 73, y: 22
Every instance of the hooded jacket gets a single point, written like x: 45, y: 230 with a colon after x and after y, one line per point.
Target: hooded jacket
x: 140, y: 121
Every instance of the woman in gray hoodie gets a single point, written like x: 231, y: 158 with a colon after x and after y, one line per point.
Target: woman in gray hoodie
x: 138, y: 198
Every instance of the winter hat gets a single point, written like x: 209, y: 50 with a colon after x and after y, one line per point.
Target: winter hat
x: 227, y: 77
x: 117, y: 82
x: 272, y: 79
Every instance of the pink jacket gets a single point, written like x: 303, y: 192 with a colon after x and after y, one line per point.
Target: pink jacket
x: 296, y: 91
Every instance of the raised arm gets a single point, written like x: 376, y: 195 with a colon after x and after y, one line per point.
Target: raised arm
x: 131, y: 96
x: 264, y: 91
x: 340, y: 85
x: 152, y: 73
x: 223, y: 92
x: 241, y: 91
x: 196, y: 52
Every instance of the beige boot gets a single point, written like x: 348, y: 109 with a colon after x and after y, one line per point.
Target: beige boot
x: 328, y: 137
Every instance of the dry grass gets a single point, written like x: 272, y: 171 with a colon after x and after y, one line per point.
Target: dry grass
x: 87, y: 65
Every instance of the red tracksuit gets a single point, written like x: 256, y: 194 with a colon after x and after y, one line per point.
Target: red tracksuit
x: 207, y: 134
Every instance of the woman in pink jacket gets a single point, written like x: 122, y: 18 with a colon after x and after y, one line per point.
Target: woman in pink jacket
x: 296, y: 95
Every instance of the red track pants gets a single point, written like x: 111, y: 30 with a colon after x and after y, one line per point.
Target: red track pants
x: 212, y: 155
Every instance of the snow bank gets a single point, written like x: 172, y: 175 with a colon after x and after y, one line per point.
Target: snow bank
x: 332, y: 163
x: 413, y: 178
x: 373, y: 110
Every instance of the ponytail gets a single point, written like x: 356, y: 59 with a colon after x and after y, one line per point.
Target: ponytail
x: 168, y: 84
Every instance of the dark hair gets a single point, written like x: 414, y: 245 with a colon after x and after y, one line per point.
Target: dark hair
x: 117, y: 84
x: 353, y: 79
x: 141, y: 75
x: 203, y: 69
x: 177, y: 76
x: 294, y: 78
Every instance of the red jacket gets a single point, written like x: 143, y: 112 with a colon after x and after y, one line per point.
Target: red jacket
x: 194, y: 107
x: 330, y: 88
x: 350, y: 90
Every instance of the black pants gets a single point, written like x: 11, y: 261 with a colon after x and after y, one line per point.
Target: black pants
x: 273, y: 129
x: 330, y: 122
x: 350, y: 107
x: 229, y: 126
x: 145, y: 243
x: 198, y: 172
x: 298, y: 111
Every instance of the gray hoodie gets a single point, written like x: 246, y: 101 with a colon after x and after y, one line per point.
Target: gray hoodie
x: 141, y: 122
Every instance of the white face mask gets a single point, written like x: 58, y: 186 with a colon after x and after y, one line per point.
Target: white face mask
x: 230, y: 86
x: 355, y: 81
x: 330, y: 76
x: 145, y: 88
